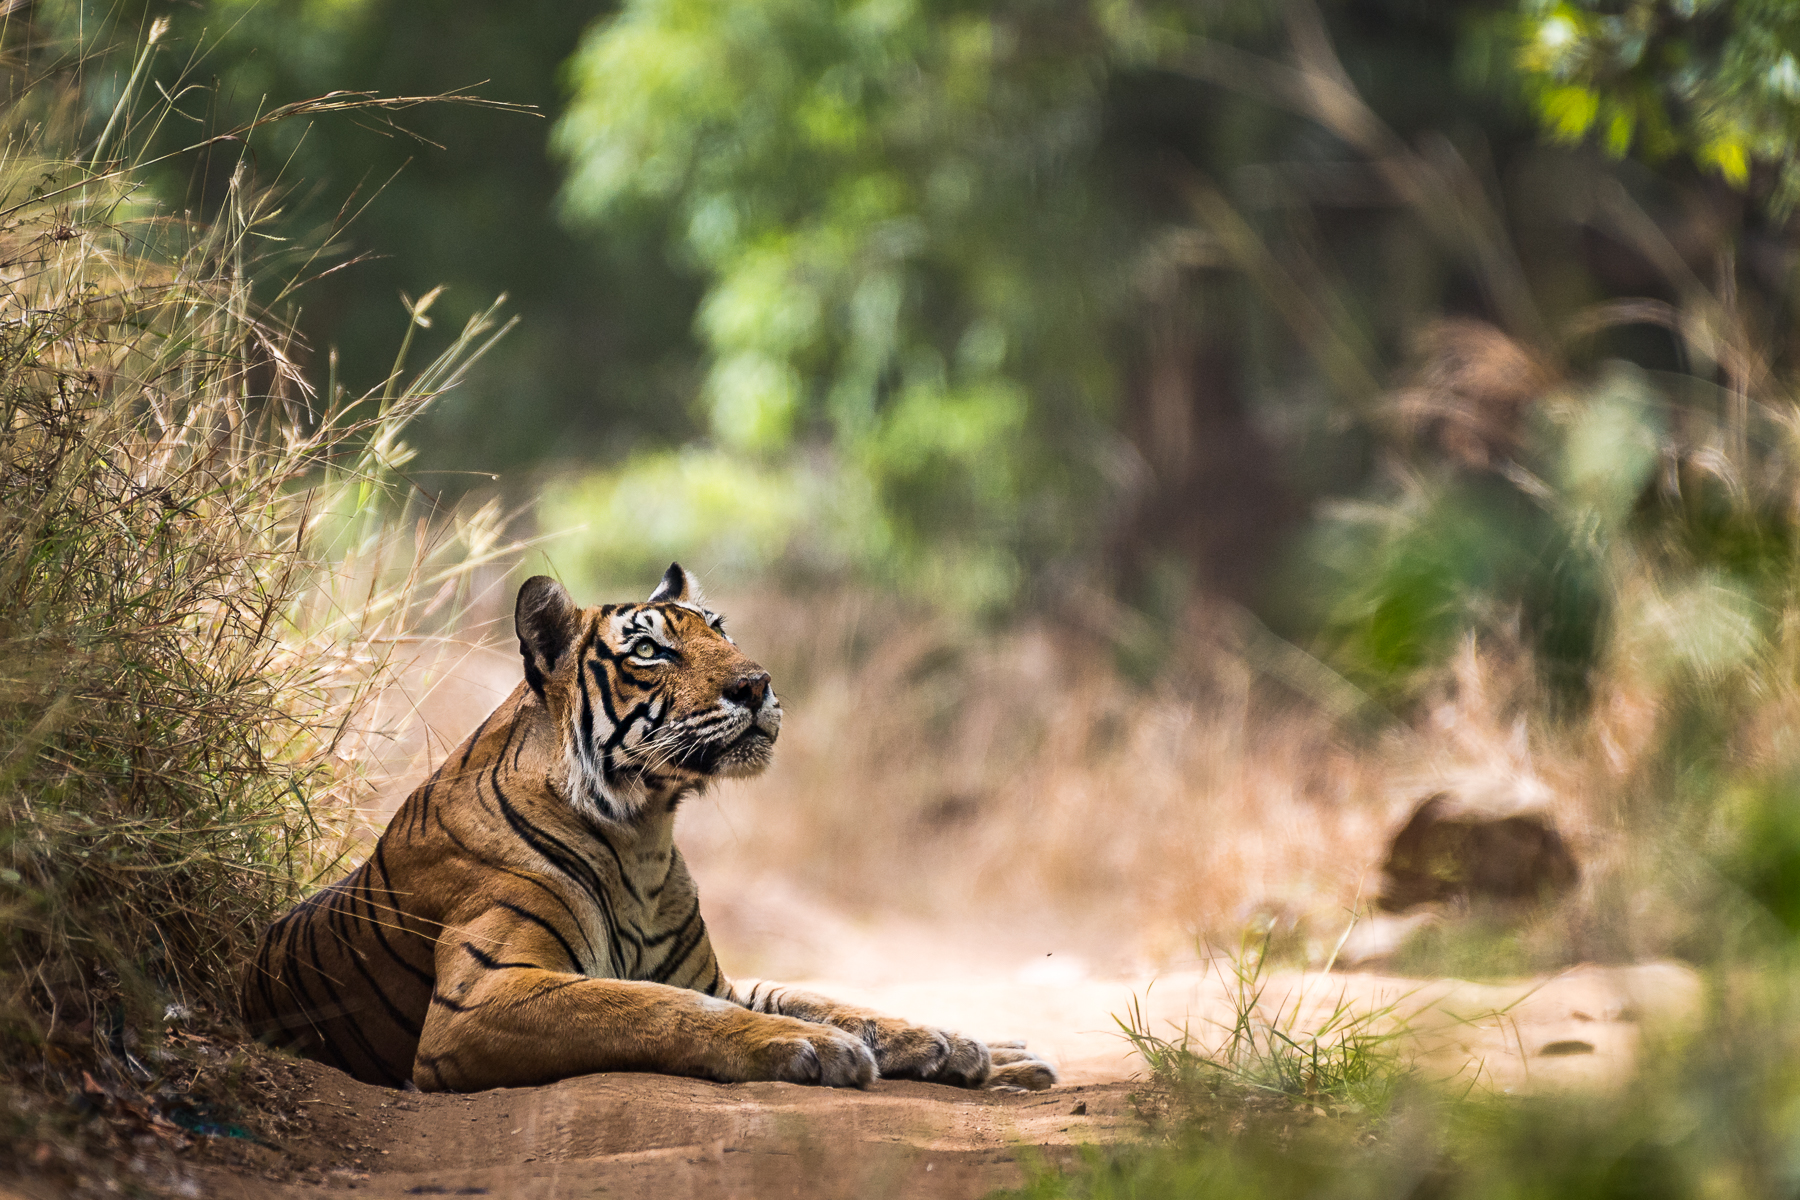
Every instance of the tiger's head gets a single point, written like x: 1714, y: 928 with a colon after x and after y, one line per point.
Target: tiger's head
x: 650, y: 700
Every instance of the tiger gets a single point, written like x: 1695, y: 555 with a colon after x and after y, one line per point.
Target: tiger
x: 526, y: 916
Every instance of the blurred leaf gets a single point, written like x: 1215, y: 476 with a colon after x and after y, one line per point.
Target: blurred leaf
x: 1612, y: 445
x: 894, y: 212
x: 1716, y: 80
x: 1707, y: 627
x: 714, y: 512
x: 1764, y: 858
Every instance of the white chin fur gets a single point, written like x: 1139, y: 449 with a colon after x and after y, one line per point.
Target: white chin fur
x: 748, y: 757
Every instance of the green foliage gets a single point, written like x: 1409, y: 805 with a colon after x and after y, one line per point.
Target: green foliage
x: 1417, y: 575
x: 1631, y: 521
x: 1763, y: 855
x: 723, y: 515
x: 1707, y: 1113
x: 905, y: 255
x: 946, y: 246
x: 1719, y: 81
x: 1340, y: 1112
x: 1477, y: 945
x: 1705, y: 1121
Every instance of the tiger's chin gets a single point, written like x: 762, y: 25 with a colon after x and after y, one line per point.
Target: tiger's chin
x: 747, y: 754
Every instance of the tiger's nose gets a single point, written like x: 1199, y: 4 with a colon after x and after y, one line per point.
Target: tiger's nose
x: 750, y: 690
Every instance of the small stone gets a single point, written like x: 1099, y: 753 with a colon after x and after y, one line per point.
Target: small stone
x: 1080, y: 1109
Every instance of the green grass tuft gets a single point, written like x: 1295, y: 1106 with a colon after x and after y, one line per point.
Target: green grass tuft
x: 1351, y: 1063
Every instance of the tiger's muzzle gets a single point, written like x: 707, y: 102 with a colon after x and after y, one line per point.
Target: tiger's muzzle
x: 748, y: 744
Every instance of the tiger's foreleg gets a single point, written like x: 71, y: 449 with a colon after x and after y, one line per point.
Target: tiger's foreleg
x: 904, y: 1050
x: 511, y: 1008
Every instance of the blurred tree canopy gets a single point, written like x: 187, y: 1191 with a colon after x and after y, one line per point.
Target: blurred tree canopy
x: 995, y: 301
x: 1051, y: 276
x: 907, y: 258
x: 1716, y: 79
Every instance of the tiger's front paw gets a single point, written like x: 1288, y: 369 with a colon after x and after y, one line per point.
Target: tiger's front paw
x: 907, y: 1051
x: 816, y: 1054
x: 1017, y: 1069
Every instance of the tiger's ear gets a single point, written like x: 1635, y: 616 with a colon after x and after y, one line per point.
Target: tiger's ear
x: 546, y: 619
x: 676, y: 585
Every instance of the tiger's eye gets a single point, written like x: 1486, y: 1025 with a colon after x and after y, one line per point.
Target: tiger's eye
x: 645, y: 648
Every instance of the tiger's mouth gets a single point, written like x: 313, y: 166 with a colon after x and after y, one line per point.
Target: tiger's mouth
x: 749, y: 753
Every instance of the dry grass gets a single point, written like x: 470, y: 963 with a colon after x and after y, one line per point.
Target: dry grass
x: 209, y: 574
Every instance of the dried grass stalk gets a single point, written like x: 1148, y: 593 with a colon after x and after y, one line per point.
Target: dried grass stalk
x: 207, y: 574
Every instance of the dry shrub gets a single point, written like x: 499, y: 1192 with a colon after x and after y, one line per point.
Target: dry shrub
x: 207, y: 573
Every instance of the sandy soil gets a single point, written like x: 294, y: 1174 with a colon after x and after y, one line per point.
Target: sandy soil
x: 647, y: 1135
x: 651, y: 1135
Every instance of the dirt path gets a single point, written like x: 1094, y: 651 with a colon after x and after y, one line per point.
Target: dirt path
x: 1579, y: 1028
x: 647, y: 1135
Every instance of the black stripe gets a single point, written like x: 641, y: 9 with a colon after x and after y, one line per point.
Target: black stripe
x: 548, y: 928
x: 637, y: 712
x: 494, y: 964
x: 586, y: 721
x: 469, y: 746
x: 607, y: 697
x: 561, y: 856
x: 423, y: 797
x: 296, y: 985
x: 607, y: 769
x: 531, y: 879
x: 700, y: 964
x: 672, y: 930
x: 264, y: 974
x: 618, y: 861
x: 684, y: 948
x: 430, y: 1063
x: 387, y: 882
x: 376, y: 920
x: 628, y: 672
x: 399, y: 1017
x: 345, y: 1015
